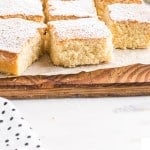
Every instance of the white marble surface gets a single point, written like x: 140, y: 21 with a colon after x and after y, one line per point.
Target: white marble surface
x: 89, y: 124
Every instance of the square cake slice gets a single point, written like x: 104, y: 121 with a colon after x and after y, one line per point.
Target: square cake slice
x: 25, y: 9
x: 21, y: 43
x: 69, y: 9
x: 101, y: 5
x: 79, y: 42
x: 130, y: 25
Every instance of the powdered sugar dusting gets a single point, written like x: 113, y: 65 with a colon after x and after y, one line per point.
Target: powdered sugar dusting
x: 86, y: 28
x: 15, y: 32
x: 23, y: 7
x: 131, y: 12
x: 78, y: 8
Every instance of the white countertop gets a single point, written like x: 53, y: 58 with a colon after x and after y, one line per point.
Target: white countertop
x: 89, y: 124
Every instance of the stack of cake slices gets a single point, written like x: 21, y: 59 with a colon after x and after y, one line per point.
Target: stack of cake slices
x: 73, y: 32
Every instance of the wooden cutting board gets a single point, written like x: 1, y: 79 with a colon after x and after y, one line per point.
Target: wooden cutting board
x: 131, y: 80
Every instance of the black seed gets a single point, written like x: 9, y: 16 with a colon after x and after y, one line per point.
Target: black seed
x: 17, y: 134
x: 38, y: 146
x: 11, y: 118
x: 1, y: 121
x: 7, y: 144
x: 5, y: 103
x: 19, y: 125
x: 9, y: 128
x: 26, y: 144
x: 6, y: 141
x: 28, y: 136
x: 22, y: 118
x: 3, y: 112
x: 13, y: 109
x: 18, y: 138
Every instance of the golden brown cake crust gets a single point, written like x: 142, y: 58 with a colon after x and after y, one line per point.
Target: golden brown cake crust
x: 119, y: 1
x: 29, y: 17
x: 8, y: 62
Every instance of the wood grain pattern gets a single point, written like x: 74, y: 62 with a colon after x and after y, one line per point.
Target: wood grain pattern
x: 125, y: 81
